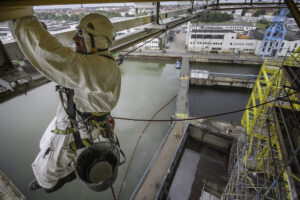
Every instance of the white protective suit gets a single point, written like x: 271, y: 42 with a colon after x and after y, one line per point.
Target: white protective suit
x: 96, y: 82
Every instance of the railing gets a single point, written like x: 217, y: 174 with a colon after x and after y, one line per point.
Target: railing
x: 237, y: 76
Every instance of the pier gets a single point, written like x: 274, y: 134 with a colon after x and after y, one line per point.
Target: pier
x: 152, y: 183
x: 206, y: 78
x: 8, y: 191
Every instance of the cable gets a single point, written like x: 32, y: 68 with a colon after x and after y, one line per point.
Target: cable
x: 204, y: 117
x: 126, y: 54
x: 141, y: 134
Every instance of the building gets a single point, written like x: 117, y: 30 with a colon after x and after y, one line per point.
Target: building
x: 233, y: 27
x: 290, y: 43
x: 222, y: 40
x: 5, y: 33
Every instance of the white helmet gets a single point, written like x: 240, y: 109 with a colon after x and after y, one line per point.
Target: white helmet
x: 97, y: 25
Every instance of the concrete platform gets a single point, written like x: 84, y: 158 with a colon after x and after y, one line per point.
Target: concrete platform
x: 159, y: 169
x: 8, y: 191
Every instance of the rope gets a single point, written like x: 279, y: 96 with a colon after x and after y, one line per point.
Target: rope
x: 204, y: 117
x: 141, y: 134
x: 126, y: 54
x: 113, y: 192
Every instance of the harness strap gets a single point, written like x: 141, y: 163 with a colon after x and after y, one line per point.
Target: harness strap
x: 94, y: 49
x: 86, y: 143
x: 71, y: 108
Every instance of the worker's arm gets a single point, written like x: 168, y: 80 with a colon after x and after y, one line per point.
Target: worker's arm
x: 57, y: 62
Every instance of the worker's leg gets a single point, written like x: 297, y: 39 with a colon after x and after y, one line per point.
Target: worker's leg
x: 61, y: 182
x: 34, y: 185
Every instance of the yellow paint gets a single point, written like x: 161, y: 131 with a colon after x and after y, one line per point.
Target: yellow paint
x: 184, y: 77
x: 182, y: 115
x: 257, y: 154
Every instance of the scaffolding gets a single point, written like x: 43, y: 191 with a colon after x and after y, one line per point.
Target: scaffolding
x: 266, y: 164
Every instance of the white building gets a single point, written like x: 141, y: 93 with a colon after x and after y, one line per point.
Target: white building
x: 150, y: 45
x: 233, y: 27
x: 225, y: 41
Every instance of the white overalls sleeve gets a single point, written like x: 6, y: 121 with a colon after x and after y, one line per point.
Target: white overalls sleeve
x: 95, y: 79
x: 57, y: 62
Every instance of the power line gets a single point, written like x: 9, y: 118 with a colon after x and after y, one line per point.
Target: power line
x: 207, y: 116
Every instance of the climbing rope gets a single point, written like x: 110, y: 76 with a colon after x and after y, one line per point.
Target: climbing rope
x: 113, y: 192
x: 140, y: 136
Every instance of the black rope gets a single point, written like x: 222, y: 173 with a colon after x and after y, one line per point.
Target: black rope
x: 207, y: 116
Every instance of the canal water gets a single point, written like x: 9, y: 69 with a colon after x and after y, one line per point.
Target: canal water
x: 146, y: 86
x: 204, y: 101
x: 226, y: 68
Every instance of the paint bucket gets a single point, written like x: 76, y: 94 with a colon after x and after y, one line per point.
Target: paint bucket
x: 97, y: 165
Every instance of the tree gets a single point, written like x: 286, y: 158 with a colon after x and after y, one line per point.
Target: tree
x: 244, y: 11
x: 160, y: 44
x: 215, y: 17
x: 259, y: 12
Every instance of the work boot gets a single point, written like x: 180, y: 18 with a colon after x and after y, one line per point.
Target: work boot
x: 34, y: 185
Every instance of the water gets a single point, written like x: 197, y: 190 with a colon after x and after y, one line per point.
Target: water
x: 204, y: 101
x: 226, y: 68
x: 146, y: 86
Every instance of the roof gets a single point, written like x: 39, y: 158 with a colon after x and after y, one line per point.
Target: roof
x: 230, y: 25
x: 290, y: 35
x: 212, y: 31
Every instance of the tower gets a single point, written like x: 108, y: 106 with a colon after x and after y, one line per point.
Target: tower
x: 274, y: 35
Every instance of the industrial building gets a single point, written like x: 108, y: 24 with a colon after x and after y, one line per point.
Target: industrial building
x: 228, y: 39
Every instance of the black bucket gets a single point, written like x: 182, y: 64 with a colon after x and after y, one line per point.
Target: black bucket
x: 97, y: 166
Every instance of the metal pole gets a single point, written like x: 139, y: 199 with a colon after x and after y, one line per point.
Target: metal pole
x: 294, y: 10
x: 5, y: 63
x: 157, y: 12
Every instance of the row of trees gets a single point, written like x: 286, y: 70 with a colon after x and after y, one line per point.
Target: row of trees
x: 72, y: 17
x: 215, y: 17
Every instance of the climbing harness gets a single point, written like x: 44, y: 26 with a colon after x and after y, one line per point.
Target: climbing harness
x: 95, y: 153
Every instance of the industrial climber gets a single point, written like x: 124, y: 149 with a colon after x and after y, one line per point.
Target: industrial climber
x: 89, y: 87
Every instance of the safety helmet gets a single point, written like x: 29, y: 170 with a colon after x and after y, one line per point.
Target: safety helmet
x: 97, y: 25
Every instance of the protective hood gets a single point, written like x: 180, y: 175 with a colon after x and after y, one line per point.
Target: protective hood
x: 101, y: 42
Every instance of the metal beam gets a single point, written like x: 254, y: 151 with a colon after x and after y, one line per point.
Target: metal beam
x: 17, y: 3
x: 14, y: 53
x: 8, y: 13
x: 157, y: 13
x: 131, y: 40
x: 294, y: 10
x: 250, y: 7
x: 4, y: 59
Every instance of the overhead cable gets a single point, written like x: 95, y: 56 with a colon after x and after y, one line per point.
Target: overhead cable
x: 207, y: 116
